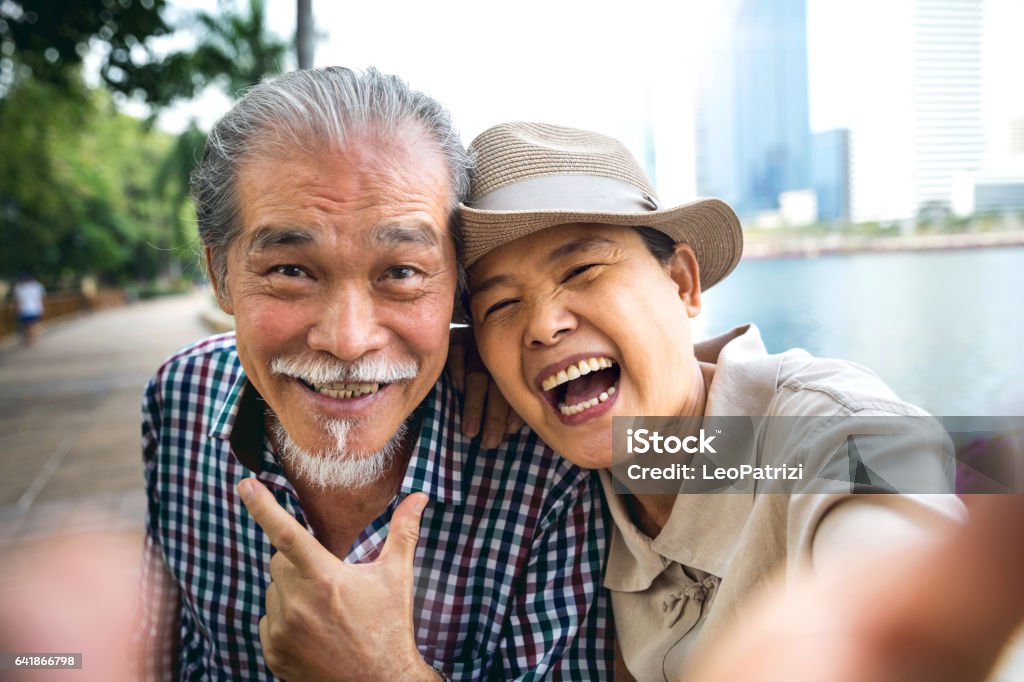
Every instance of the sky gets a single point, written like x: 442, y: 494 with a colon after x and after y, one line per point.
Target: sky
x: 622, y: 68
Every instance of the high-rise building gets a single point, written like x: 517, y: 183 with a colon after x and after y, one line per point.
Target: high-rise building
x: 830, y: 174
x: 753, y: 135
x: 1015, y: 145
x: 948, y: 130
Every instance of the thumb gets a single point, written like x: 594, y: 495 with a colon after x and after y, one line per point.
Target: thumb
x: 404, y: 533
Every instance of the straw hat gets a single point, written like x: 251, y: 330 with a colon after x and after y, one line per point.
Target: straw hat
x: 531, y: 176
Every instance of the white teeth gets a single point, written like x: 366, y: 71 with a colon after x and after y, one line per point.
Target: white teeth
x: 569, y: 410
x: 575, y: 372
x: 346, y: 391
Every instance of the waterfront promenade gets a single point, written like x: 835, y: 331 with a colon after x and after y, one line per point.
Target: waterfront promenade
x: 69, y: 417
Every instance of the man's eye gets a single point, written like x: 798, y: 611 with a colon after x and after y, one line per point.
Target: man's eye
x: 401, y: 272
x: 289, y: 270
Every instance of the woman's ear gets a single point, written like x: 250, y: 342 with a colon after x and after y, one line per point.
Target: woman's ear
x: 685, y: 272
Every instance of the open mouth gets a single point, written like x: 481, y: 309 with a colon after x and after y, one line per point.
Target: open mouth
x: 581, y: 385
x: 343, y: 391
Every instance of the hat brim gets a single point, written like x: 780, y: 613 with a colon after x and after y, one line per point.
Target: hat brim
x: 709, y: 226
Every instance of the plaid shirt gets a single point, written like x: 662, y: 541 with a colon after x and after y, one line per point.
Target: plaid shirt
x: 507, y: 568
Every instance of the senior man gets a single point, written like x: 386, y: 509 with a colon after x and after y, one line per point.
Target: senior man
x: 326, y: 202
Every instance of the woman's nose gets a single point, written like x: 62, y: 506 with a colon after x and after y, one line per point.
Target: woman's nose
x: 549, y: 321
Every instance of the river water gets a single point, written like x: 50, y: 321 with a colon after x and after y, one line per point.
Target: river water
x: 945, y: 329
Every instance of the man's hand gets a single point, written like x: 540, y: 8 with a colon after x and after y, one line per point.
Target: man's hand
x: 329, y: 620
x: 483, y: 400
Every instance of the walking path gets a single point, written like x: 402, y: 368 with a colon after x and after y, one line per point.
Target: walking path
x: 69, y: 417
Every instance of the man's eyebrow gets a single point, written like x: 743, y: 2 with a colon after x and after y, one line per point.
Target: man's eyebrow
x: 394, y: 235
x: 269, y: 237
x: 590, y: 243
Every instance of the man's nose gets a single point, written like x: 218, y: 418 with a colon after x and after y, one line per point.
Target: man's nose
x: 348, y: 326
x: 549, y: 321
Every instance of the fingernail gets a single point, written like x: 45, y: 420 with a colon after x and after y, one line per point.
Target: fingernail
x: 420, y: 505
x: 491, y: 441
x: 245, y: 490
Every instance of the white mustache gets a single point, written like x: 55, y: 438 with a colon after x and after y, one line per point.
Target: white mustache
x: 321, y: 369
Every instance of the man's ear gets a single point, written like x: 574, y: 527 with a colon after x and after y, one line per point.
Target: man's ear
x: 685, y: 272
x: 223, y: 300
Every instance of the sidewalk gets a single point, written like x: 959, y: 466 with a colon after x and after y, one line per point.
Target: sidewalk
x: 69, y: 417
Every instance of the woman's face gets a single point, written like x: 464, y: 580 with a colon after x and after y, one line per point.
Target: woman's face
x: 579, y: 323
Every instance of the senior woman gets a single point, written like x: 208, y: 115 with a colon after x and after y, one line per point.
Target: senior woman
x: 582, y: 289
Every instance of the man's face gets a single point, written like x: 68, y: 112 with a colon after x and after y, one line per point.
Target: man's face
x: 343, y: 256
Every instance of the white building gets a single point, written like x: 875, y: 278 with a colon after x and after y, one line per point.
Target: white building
x: 912, y: 97
x: 946, y: 90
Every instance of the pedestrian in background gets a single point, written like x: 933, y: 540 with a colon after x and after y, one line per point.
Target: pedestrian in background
x: 29, y: 296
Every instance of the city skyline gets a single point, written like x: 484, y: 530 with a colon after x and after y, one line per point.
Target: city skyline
x: 627, y: 71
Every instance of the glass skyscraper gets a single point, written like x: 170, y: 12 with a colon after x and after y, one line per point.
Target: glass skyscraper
x: 753, y: 137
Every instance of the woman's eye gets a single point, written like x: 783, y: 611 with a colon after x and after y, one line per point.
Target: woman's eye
x: 578, y: 270
x: 500, y: 305
x: 289, y: 270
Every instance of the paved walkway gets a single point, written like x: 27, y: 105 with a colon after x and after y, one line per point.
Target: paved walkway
x: 69, y: 417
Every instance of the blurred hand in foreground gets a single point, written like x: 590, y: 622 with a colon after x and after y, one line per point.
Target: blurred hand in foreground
x: 66, y: 594
x: 943, y: 614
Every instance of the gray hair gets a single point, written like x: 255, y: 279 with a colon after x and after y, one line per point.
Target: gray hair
x: 321, y: 106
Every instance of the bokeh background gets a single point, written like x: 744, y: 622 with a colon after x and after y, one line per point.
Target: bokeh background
x: 875, y: 152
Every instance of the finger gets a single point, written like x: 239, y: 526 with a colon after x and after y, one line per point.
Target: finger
x: 284, y: 532
x: 272, y: 601
x: 457, y: 358
x: 515, y: 422
x: 496, y: 417
x: 404, y: 532
x: 265, y: 635
x: 269, y: 652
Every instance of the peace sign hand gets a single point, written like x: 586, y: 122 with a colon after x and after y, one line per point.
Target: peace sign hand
x: 329, y: 620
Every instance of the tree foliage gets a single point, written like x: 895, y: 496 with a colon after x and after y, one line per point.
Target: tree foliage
x: 76, y: 187
x: 83, y: 188
x: 46, y: 40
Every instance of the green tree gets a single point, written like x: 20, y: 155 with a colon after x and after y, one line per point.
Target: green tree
x: 75, y: 184
x: 235, y: 50
x: 47, y: 40
x: 83, y: 189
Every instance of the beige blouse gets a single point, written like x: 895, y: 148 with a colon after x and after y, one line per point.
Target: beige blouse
x: 673, y: 592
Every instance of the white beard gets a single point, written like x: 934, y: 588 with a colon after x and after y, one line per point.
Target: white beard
x: 335, y: 466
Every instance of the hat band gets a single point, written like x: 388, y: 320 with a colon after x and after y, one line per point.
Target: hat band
x: 579, y: 193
